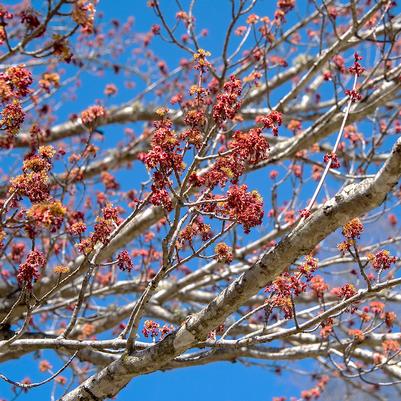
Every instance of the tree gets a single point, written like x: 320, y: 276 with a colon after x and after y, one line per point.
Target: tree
x: 246, y: 213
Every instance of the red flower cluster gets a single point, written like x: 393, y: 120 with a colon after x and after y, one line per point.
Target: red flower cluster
x: 273, y: 120
x: 227, y: 103
x: 84, y: 14
x: 247, y: 147
x: 282, y: 289
x: 77, y: 228
x: 192, y: 230
x: 353, y: 229
x: 244, y: 207
x: 356, y: 68
x: 49, y: 80
x: 165, y: 147
x: 382, y: 260
x: 103, y: 228
x: 315, y: 392
x: 91, y: 114
x: 354, y: 95
x: 390, y: 346
x: 346, y: 291
x: 17, y: 252
x: 333, y: 159
x: 339, y: 63
x: 153, y: 329
x: 109, y: 181
x: 160, y: 197
x: 12, y: 117
x: 165, y: 155
x: 124, y: 261
x: 305, y: 213
x: 318, y: 286
x: 34, y: 186
x: 76, y: 225
x: 223, y: 253
x: 28, y: 271
x: 226, y: 168
x: 49, y: 214
x: 309, y: 266
x: 34, y: 182
x: 14, y: 83
x: 251, y: 146
x: 29, y: 18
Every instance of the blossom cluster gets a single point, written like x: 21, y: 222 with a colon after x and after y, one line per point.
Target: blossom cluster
x: 153, y: 329
x: 165, y: 155
x: 48, y: 214
x: 124, y: 261
x: 28, y: 271
x: 14, y: 86
x: 287, y: 285
x: 223, y: 253
x: 92, y: 114
x: 192, y: 230
x: 34, y: 182
x: 351, y: 231
x: 227, y: 103
x: 84, y: 14
x: 104, y: 226
x: 382, y: 260
x: 244, y: 207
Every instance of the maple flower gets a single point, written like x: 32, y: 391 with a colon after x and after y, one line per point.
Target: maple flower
x: 309, y: 265
x: 225, y: 169
x: 390, y: 318
x: 110, y: 90
x: 251, y: 146
x: 382, y: 260
x: 356, y: 68
x: 273, y: 120
x: 244, y: 207
x: 354, y: 95
x: 357, y: 334
x: 200, y: 57
x: 318, y: 285
x: 34, y: 186
x: 84, y: 14
x: 305, y: 213
x: 19, y: 79
x: 61, y: 269
x: 48, y: 214
x: 49, y: 80
x: 223, y: 253
x: 109, y: 181
x: 28, y: 271
x: 376, y: 307
x: 196, y: 228
x: 124, y: 261
x: 12, y: 117
x: 151, y: 328
x: 91, y: 114
x: 346, y: 291
x: 332, y: 157
x: 227, y: 103
x: 353, y: 229
x: 44, y: 365
x: 77, y: 228
x: 390, y: 346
